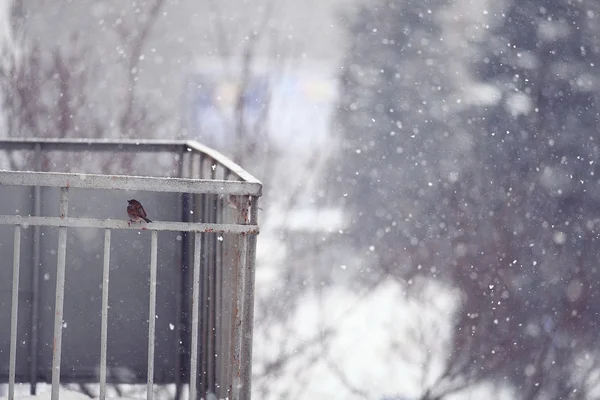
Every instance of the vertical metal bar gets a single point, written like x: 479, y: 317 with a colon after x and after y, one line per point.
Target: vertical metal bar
x: 195, y: 298
x: 226, y: 290
x: 206, y: 302
x: 210, y: 304
x: 104, y: 328
x: 60, y: 295
x: 211, y: 250
x: 14, y: 313
x: 182, y: 311
x: 248, y: 317
x: 35, y: 278
x: 219, y: 301
x: 204, y: 290
x: 239, y: 275
x: 152, y: 315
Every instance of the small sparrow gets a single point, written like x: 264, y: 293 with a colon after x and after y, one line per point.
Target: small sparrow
x: 136, y: 211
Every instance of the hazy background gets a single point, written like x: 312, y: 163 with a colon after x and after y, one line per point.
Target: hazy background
x: 430, y: 213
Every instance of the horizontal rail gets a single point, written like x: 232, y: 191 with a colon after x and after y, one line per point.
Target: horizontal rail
x: 224, y: 161
x: 124, y: 145
x: 129, y: 145
x: 122, y: 224
x: 126, y: 182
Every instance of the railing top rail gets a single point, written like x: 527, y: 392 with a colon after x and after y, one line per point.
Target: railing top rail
x: 128, y: 182
x: 125, y: 145
x: 82, y: 144
x: 221, y: 159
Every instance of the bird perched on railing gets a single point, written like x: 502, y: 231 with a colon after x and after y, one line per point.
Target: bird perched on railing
x: 136, y: 211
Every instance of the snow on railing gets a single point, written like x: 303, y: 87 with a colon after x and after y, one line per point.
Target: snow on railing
x: 208, y: 328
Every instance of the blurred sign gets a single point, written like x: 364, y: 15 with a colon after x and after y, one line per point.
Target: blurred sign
x: 216, y: 100
x: 292, y: 106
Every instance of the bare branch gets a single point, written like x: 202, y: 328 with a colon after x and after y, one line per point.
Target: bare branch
x: 276, y: 365
x: 249, y: 54
x: 136, y: 44
x: 220, y: 37
x: 344, y: 379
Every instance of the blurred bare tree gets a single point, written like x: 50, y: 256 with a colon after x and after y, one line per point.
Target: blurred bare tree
x: 526, y: 218
x: 53, y: 89
x: 495, y: 195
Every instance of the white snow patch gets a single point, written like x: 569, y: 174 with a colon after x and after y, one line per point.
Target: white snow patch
x: 586, y: 82
x: 386, y: 326
x: 559, y: 237
x: 519, y: 104
x: 64, y: 395
x: 310, y: 219
x: 482, y: 94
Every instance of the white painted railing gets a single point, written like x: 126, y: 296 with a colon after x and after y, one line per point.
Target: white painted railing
x: 233, y: 339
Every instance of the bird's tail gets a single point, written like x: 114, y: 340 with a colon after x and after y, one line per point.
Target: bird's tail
x: 146, y: 219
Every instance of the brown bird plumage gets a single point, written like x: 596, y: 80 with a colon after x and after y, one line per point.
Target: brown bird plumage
x: 136, y: 211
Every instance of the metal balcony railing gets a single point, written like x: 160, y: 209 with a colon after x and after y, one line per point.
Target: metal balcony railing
x: 203, y: 272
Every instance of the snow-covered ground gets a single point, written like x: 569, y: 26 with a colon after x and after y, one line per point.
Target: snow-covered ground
x: 45, y: 394
x: 64, y: 395
x: 129, y: 392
